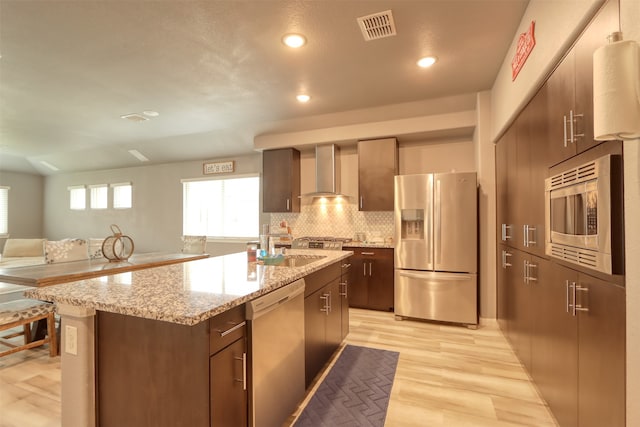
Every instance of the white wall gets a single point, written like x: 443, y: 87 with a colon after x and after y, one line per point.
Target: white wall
x: 26, y: 197
x: 154, y: 222
x: 630, y: 25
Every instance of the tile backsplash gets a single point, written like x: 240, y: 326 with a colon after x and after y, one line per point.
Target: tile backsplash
x: 336, y: 218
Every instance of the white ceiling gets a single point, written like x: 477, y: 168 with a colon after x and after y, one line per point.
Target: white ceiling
x: 217, y: 72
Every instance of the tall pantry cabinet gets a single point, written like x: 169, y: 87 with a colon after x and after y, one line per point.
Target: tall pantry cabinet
x: 565, y: 323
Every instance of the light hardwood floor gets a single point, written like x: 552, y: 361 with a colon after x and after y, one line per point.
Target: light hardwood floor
x: 446, y: 376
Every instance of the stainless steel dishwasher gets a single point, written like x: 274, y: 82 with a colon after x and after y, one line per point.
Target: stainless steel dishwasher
x: 276, y: 331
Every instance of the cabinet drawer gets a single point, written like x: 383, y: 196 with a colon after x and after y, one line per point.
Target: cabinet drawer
x: 318, y: 279
x: 225, y: 328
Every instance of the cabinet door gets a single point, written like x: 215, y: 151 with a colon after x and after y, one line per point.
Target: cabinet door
x: 344, y: 297
x: 601, y: 326
x: 359, y: 280
x: 381, y: 277
x: 503, y: 271
x: 228, y: 386
x: 520, y: 309
x: 314, y: 334
x: 595, y: 36
x: 377, y: 165
x: 560, y: 87
x: 333, y: 321
x: 502, y: 182
x: 281, y: 180
x: 513, y: 232
x: 554, y: 345
x: 538, y: 172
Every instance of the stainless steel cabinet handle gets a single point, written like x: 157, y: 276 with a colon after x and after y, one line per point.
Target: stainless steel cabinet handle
x: 367, y: 253
x: 573, y: 294
x: 346, y: 265
x: 527, y: 230
x: 360, y: 202
x: 531, y: 277
x: 243, y: 380
x: 565, y: 131
x: 370, y: 264
x: 288, y: 202
x: 364, y: 268
x: 574, y: 123
x: 326, y: 307
x: 571, y: 133
x: 234, y: 328
x: 566, y: 284
x: 579, y: 307
x: 505, y: 255
x: 344, y: 289
x: 505, y: 236
x: 330, y: 308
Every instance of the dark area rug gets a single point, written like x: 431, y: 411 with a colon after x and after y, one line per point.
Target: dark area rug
x: 355, y: 392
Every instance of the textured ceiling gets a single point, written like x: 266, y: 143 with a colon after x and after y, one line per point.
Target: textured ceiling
x: 217, y: 72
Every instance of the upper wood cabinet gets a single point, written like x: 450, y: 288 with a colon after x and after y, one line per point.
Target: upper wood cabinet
x: 281, y: 180
x: 521, y: 158
x: 377, y: 165
x: 570, y: 108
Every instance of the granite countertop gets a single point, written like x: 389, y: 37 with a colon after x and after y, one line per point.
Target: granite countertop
x: 186, y: 293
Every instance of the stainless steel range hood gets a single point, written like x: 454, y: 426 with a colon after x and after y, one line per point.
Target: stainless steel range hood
x: 327, y: 172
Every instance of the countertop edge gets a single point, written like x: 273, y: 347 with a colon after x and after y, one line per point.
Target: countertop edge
x: 51, y: 294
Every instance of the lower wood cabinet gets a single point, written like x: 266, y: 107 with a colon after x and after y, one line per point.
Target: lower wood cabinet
x: 371, y: 279
x: 568, y: 330
x: 323, y: 318
x: 345, y: 273
x: 228, y: 369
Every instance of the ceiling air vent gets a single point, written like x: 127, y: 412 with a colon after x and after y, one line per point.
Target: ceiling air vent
x: 377, y: 26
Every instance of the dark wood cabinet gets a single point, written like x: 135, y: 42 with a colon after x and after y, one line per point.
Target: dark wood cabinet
x: 568, y: 330
x: 521, y: 164
x: 229, y: 385
x: 554, y: 342
x: 601, y: 316
x: 371, y: 279
x: 281, y: 180
x: 228, y: 368
x: 570, y: 108
x: 323, y: 317
x: 345, y: 272
x: 377, y: 165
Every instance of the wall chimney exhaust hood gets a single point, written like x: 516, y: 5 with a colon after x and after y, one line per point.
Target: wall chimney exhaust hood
x: 327, y: 172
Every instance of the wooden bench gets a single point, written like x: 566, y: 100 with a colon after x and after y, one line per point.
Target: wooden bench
x: 22, y: 312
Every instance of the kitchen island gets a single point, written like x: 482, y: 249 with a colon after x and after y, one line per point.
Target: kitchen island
x: 138, y: 347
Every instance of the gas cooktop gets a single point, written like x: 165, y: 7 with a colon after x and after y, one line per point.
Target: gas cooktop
x: 314, y: 242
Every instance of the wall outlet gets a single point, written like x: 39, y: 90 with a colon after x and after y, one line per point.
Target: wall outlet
x: 71, y: 340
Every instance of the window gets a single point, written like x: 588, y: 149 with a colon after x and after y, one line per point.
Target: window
x: 4, y: 211
x: 77, y: 197
x: 225, y: 208
x: 121, y: 195
x: 99, y: 196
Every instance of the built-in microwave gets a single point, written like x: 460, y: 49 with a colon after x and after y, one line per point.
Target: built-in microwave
x: 584, y: 215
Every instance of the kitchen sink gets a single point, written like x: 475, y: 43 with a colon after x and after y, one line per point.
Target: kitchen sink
x: 298, y: 260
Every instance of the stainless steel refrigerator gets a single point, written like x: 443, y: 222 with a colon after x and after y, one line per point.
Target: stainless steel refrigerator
x: 436, y: 263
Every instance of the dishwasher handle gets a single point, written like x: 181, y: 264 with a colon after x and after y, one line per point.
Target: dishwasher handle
x: 271, y: 301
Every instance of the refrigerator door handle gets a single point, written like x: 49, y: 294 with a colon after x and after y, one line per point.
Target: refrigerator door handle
x: 428, y: 275
x: 438, y: 223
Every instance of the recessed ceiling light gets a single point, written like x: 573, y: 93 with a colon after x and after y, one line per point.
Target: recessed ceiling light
x: 427, y: 61
x: 294, y: 40
x: 303, y: 98
x: 49, y: 165
x: 138, y: 155
x: 151, y: 113
x: 134, y: 117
